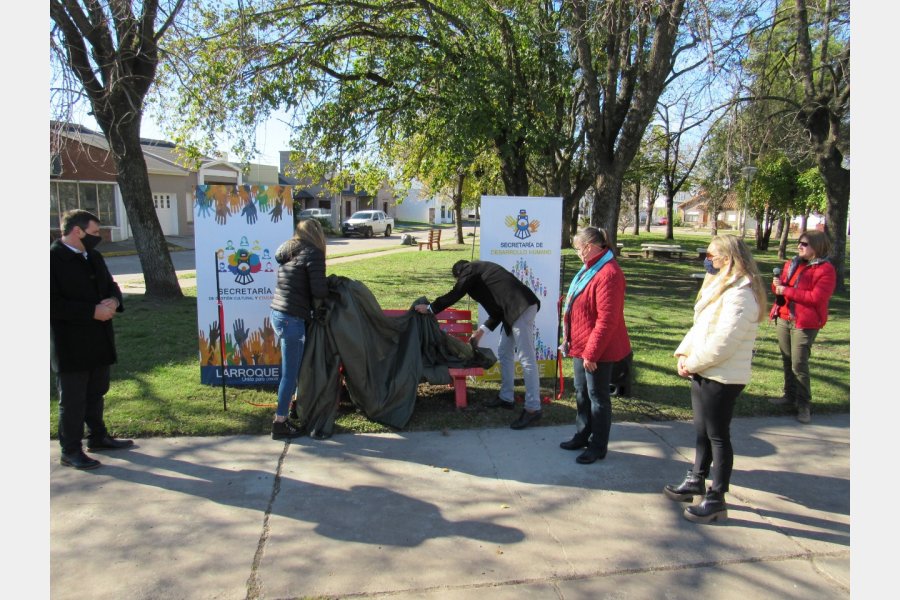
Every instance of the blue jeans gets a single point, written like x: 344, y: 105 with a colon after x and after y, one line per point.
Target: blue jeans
x: 520, y: 345
x: 594, y: 409
x: 291, y: 332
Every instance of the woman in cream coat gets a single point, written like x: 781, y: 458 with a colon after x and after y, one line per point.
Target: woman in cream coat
x: 715, y: 355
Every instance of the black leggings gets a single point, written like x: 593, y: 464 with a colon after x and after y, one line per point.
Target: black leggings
x: 713, y: 405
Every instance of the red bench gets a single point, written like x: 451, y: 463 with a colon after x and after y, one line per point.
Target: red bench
x: 457, y: 323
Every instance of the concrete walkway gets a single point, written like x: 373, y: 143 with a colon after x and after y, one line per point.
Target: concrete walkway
x: 456, y: 515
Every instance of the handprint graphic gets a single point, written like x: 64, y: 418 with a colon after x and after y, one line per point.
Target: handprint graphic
x: 202, y: 203
x: 249, y: 212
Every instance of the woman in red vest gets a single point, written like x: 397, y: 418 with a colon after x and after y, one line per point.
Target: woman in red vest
x: 802, y: 293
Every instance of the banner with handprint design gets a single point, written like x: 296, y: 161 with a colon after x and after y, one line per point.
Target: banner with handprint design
x: 236, y: 232
x: 524, y: 234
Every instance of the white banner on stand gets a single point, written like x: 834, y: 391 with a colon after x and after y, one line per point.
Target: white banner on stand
x: 237, y: 230
x: 524, y: 235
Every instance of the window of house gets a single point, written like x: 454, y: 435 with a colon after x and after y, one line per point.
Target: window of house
x: 87, y: 196
x: 68, y: 196
x: 98, y: 198
x: 106, y: 204
x: 54, y: 207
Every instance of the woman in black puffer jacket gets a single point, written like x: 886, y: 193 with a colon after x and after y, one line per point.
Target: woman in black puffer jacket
x: 301, y: 277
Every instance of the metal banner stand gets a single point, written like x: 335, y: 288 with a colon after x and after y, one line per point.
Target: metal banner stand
x: 221, y: 329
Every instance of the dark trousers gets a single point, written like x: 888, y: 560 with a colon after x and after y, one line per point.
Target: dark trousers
x: 795, y: 346
x: 81, y: 403
x: 713, y: 405
x: 594, y: 417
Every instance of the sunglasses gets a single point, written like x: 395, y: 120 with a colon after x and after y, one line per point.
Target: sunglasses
x: 710, y: 256
x: 803, y: 244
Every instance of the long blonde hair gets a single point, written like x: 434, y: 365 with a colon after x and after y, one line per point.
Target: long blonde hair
x: 310, y: 232
x: 740, y: 264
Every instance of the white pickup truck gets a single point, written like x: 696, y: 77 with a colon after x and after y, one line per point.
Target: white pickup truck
x: 368, y: 223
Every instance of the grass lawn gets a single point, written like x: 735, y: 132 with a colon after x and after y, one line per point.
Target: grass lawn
x: 156, y: 388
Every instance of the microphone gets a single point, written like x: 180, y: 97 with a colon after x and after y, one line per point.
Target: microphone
x: 776, y: 273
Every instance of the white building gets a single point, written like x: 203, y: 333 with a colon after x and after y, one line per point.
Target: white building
x: 419, y: 208
x: 659, y: 206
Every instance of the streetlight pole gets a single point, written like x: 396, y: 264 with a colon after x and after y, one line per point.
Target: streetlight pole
x: 749, y: 172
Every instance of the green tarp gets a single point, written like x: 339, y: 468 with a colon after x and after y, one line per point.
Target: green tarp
x: 384, y: 358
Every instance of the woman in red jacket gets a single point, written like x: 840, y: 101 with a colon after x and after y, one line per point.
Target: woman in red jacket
x: 802, y: 293
x: 594, y: 335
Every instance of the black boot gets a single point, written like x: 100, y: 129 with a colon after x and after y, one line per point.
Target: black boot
x: 711, y: 508
x: 693, y: 485
x: 285, y: 430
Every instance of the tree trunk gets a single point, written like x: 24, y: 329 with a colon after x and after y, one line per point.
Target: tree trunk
x: 131, y: 175
x: 783, y: 241
x: 116, y: 88
x: 607, y: 198
x: 822, y: 116
x: 513, y: 171
x: 767, y: 230
x: 651, y: 200
x: 670, y: 210
x: 457, y: 212
x: 570, y: 214
x: 637, y: 207
x: 760, y: 217
x: 837, y: 185
x: 619, y: 103
x: 457, y: 207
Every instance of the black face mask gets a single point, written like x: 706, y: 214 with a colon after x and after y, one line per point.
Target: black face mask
x: 90, y: 241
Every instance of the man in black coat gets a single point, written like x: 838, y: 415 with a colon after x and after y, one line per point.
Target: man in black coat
x: 511, y: 303
x: 83, y: 300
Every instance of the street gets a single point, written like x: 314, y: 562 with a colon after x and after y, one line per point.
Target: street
x: 185, y: 260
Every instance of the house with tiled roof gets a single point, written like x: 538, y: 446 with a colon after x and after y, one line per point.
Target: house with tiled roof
x: 83, y: 175
x: 340, y: 205
x: 698, y: 211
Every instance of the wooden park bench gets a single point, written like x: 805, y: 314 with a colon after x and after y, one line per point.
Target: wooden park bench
x: 668, y: 250
x: 698, y: 278
x: 434, y: 237
x: 457, y: 323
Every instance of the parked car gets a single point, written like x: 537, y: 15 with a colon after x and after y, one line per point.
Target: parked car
x: 368, y: 223
x: 664, y: 220
x: 314, y: 213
